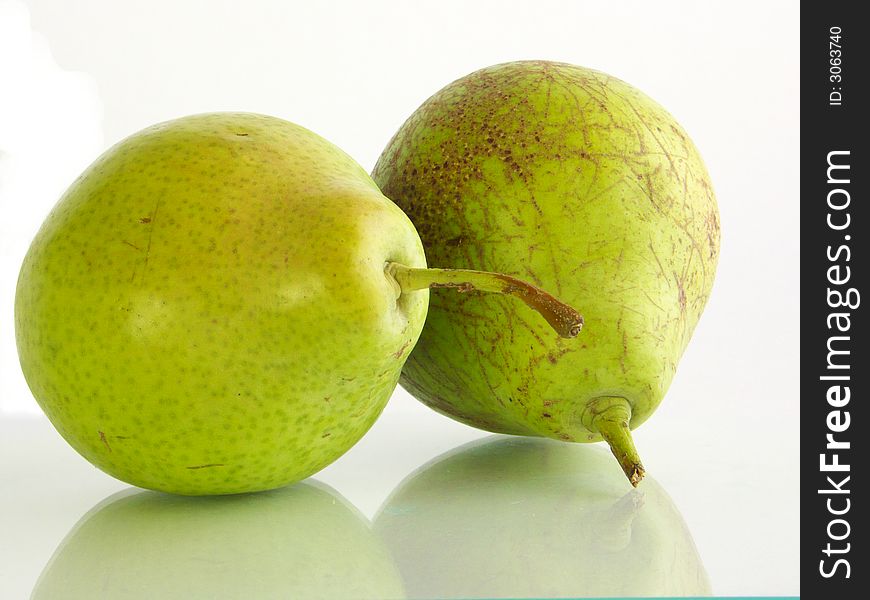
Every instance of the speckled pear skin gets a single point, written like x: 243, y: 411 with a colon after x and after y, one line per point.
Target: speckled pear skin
x: 583, y: 185
x: 205, y: 310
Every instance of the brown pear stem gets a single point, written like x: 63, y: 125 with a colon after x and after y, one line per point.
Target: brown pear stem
x: 565, y: 320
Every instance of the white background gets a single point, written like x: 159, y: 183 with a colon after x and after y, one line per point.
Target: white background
x: 77, y: 77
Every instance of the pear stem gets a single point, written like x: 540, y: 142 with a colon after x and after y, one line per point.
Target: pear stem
x: 611, y: 418
x: 566, y: 321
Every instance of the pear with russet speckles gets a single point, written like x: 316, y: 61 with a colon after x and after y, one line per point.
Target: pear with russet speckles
x: 582, y: 184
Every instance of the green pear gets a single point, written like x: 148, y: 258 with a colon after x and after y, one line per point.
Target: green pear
x: 582, y: 184
x: 536, y: 518
x: 305, y: 541
x: 221, y: 304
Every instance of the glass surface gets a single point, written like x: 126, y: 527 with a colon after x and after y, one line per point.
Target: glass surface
x: 422, y: 507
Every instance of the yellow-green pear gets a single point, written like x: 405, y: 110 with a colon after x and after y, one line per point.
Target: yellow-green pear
x: 222, y: 303
x: 585, y: 186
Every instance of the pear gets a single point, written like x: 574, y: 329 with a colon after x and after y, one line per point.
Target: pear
x: 509, y: 517
x: 223, y: 303
x: 304, y: 541
x: 583, y: 185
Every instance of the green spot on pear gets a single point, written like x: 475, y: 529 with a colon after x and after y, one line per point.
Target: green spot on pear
x: 580, y: 183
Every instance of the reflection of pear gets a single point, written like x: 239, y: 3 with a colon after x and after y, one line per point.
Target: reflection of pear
x: 305, y: 541
x: 516, y: 517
